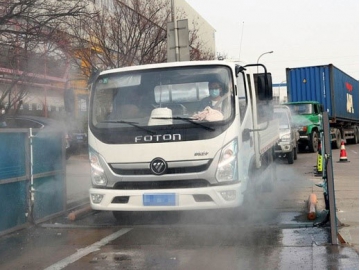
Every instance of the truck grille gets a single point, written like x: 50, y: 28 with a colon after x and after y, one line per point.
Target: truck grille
x: 173, y: 168
x: 194, y: 183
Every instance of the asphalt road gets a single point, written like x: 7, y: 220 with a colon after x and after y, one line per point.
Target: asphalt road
x: 273, y: 233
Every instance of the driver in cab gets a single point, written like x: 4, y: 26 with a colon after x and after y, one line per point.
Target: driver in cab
x: 214, y: 98
x: 212, y: 107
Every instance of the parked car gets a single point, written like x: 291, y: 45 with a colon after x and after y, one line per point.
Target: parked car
x: 287, y: 146
x: 38, y: 122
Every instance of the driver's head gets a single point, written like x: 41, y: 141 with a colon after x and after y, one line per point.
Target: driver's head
x: 215, y: 89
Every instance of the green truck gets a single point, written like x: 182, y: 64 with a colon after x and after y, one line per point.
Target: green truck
x: 307, y: 116
x: 313, y: 90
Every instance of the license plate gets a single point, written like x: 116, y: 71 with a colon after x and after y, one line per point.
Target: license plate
x: 159, y: 199
x: 79, y: 137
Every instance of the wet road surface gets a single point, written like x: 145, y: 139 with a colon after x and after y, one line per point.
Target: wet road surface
x: 273, y: 232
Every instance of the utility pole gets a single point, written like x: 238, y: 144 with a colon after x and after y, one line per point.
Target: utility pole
x: 177, y: 38
x: 172, y: 38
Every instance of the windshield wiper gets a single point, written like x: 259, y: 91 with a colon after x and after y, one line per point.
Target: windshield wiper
x: 134, y: 124
x: 190, y: 120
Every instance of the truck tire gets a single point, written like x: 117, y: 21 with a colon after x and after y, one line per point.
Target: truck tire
x: 296, y: 150
x: 337, y: 143
x: 356, y: 137
x: 314, y: 142
x: 355, y: 140
x: 290, y: 157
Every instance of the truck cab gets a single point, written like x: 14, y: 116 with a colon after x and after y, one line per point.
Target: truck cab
x: 307, y: 116
x: 154, y: 147
x: 287, y: 146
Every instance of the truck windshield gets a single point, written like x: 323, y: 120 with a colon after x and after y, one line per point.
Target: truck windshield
x: 162, y: 97
x: 297, y: 109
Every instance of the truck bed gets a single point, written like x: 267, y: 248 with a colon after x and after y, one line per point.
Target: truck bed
x: 269, y: 136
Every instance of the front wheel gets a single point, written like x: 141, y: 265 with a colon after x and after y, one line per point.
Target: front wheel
x: 314, y: 142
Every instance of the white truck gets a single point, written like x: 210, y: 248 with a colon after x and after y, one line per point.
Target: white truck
x: 153, y: 148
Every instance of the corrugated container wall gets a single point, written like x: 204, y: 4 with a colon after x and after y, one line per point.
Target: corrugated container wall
x: 337, y: 91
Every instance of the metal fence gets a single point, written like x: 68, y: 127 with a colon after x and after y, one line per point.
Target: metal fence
x: 32, y: 177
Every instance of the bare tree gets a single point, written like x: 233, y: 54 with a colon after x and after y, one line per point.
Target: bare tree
x: 38, y: 38
x: 29, y: 40
x: 198, y: 49
x: 36, y: 18
x: 131, y: 33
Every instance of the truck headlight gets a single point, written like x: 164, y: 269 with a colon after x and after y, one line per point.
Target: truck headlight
x: 228, y: 166
x: 285, y: 138
x: 98, y: 177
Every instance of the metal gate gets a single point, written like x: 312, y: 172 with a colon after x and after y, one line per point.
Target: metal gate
x: 32, y: 177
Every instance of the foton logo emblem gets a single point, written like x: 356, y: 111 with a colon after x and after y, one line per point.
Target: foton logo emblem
x: 158, y: 166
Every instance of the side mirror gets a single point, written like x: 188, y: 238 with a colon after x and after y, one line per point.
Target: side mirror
x: 263, y: 86
x: 93, y: 76
x: 239, y: 69
x: 321, y: 107
x: 263, y: 83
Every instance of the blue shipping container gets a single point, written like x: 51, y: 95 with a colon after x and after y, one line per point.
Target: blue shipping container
x: 335, y: 90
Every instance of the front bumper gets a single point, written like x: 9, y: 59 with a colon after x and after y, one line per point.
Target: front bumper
x: 303, y: 136
x: 186, y: 199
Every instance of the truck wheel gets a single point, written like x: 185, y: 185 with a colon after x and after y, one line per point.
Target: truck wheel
x: 314, y: 142
x: 290, y: 157
x: 355, y: 140
x: 337, y: 143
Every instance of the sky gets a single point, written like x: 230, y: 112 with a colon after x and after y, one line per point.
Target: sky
x: 300, y: 33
